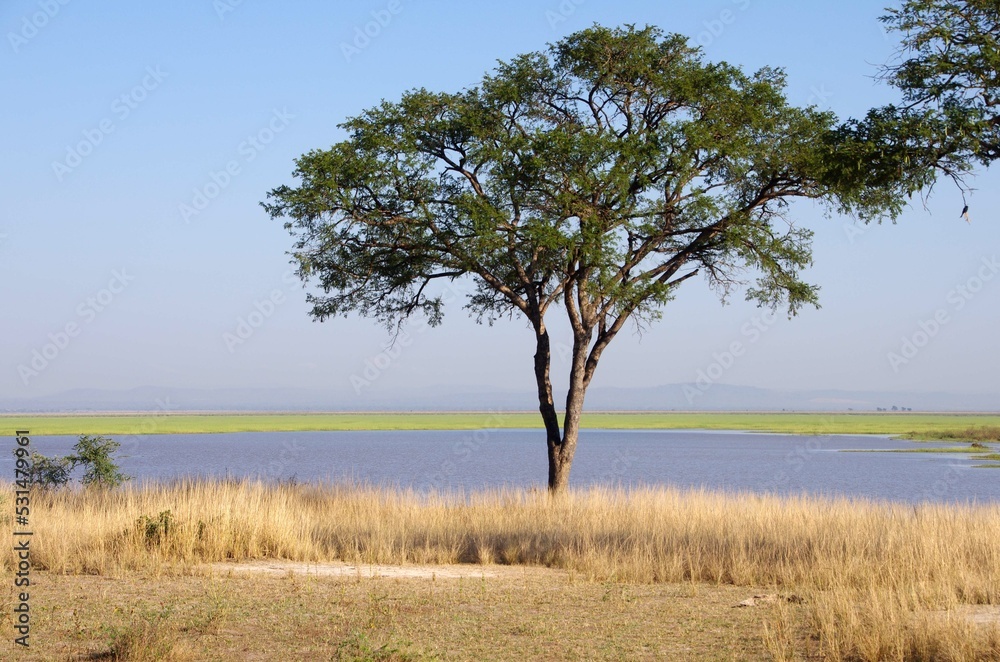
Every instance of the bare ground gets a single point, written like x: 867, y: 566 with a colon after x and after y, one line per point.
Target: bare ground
x: 284, y: 568
x: 305, y: 611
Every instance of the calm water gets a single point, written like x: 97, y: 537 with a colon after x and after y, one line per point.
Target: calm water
x: 734, y: 461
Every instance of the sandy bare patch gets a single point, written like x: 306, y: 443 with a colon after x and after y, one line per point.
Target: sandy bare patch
x: 981, y: 614
x: 364, y: 570
x: 769, y: 598
x: 985, y: 615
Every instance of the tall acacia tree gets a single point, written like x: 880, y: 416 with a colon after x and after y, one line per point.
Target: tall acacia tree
x: 948, y: 119
x: 595, y: 177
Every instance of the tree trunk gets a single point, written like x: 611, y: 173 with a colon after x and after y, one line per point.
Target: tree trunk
x: 561, y: 454
x: 559, y: 466
x: 546, y: 405
x: 561, y: 461
x: 561, y: 447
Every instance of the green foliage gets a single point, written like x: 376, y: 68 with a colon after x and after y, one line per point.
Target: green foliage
x: 156, y: 530
x: 50, y: 472
x: 949, y: 117
x: 597, y: 176
x: 592, y: 173
x: 93, y: 453
x: 949, y: 72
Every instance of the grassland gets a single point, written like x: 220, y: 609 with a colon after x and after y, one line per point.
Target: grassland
x: 597, y: 574
x: 132, y: 574
x: 978, y: 434
x: 527, y: 614
x: 915, y: 425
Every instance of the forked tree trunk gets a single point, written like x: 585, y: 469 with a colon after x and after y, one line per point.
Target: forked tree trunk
x: 559, y: 466
x: 561, y: 454
x: 561, y: 445
x: 546, y: 405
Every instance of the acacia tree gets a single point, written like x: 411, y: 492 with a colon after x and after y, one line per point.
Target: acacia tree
x: 949, y: 69
x: 948, y: 120
x: 595, y: 177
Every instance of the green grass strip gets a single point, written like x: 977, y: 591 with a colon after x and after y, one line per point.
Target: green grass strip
x: 926, y: 426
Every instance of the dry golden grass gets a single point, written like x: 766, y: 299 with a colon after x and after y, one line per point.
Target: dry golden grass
x: 880, y: 581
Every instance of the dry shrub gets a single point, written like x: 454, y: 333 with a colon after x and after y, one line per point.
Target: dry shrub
x: 146, y: 640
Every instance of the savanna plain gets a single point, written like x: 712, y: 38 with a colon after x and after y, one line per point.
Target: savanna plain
x: 240, y: 569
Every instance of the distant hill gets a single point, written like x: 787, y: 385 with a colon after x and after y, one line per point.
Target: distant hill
x: 681, y: 397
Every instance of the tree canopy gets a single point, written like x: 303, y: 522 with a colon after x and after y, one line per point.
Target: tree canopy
x: 595, y: 177
x: 948, y: 119
x: 949, y: 68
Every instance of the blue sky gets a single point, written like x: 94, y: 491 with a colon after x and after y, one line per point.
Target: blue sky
x: 140, y: 137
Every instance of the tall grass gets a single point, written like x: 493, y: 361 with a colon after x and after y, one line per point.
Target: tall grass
x: 951, y: 552
x: 874, y: 575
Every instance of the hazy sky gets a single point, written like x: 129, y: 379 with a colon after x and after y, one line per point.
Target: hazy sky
x: 128, y: 252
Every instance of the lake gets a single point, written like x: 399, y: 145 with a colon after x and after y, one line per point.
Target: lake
x: 473, y: 460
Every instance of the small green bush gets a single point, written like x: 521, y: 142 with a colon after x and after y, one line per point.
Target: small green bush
x: 92, y: 453
x: 50, y: 471
x: 155, y: 530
